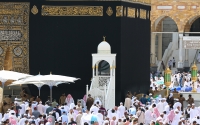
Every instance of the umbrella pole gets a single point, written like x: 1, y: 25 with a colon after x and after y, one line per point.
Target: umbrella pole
x: 3, y: 83
x: 50, y: 93
x: 39, y: 90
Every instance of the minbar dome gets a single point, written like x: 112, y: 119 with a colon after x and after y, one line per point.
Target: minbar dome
x: 104, y: 48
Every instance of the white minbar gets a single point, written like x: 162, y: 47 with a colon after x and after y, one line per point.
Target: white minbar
x: 195, y: 96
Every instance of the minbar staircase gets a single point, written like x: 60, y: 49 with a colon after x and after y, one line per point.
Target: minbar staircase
x: 103, y: 88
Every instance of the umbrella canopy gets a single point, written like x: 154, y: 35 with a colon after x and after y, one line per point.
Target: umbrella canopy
x: 11, y: 75
x: 21, y: 82
x: 50, y: 80
x: 54, y: 79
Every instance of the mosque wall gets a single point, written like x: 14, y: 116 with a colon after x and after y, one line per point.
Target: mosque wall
x: 62, y: 42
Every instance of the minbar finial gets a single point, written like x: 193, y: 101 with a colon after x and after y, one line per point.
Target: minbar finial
x: 104, y: 38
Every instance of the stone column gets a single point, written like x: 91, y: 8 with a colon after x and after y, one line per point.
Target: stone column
x: 153, y: 53
x: 180, y: 63
x: 153, y: 49
x: 93, y: 74
x: 159, y: 46
x: 186, y: 62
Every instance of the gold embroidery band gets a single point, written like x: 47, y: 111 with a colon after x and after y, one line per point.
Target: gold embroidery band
x: 143, y: 14
x: 131, y: 12
x: 72, y: 10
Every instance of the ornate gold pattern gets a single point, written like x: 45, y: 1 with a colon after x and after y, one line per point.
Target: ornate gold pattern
x: 34, y: 10
x: 119, y: 11
x: 143, y: 14
x: 72, y: 10
x: 109, y: 11
x: 14, y: 18
x: 131, y: 12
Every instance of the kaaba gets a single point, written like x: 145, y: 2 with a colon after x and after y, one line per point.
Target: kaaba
x: 63, y: 34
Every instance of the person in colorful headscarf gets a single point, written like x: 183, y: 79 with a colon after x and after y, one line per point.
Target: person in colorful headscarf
x: 155, y: 113
x: 69, y: 99
x: 170, y: 117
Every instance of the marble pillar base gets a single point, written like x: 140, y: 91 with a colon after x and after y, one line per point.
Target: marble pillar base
x: 180, y: 64
x: 186, y: 66
x: 153, y: 68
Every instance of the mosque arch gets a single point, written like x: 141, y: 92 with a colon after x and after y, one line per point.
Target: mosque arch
x: 157, y: 22
x: 190, y: 22
x: 103, y: 68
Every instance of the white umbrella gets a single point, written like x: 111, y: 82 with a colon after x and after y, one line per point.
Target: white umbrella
x: 21, y: 82
x: 11, y: 75
x: 51, y: 80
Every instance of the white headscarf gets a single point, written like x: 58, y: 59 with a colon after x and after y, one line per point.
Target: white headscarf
x: 170, y: 95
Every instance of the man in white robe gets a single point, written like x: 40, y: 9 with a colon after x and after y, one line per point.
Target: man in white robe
x: 86, y: 118
x: 121, y: 109
x: 148, y: 116
x: 22, y: 110
x: 97, y: 100
x: 167, y: 108
x: 78, y: 118
x: 34, y: 104
x: 94, y: 109
x: 64, y: 118
x: 69, y: 99
x: 72, y: 105
x: 45, y: 107
x: 40, y: 108
x: 198, y: 88
x: 71, y: 115
x: 176, y: 118
x: 100, y: 118
x: 160, y: 106
x: 66, y: 108
x: 193, y: 112
x: 22, y: 120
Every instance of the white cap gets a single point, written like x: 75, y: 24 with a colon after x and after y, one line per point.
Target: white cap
x: 193, y: 104
x: 150, y: 94
x: 106, y: 121
x: 188, y: 105
x: 121, y: 103
x: 176, y: 110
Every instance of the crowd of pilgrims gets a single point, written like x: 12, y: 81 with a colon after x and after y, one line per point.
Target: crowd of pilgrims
x: 179, y: 82
x: 148, y: 110
x: 145, y: 111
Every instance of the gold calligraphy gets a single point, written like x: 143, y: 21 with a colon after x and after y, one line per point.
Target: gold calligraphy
x: 72, y: 10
